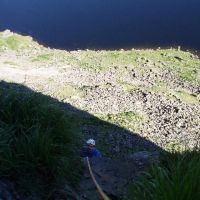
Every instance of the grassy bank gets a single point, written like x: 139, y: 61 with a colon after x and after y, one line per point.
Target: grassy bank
x: 184, y: 65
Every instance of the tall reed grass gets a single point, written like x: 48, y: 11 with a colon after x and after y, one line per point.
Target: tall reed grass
x: 177, y: 178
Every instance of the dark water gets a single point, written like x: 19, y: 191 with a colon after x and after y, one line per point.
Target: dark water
x: 105, y: 24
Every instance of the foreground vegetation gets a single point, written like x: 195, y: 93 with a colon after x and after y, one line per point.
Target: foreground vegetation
x: 178, y: 177
x: 38, y: 144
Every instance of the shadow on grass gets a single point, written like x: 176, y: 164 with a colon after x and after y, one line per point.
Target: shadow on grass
x: 105, y: 133
x: 40, y: 139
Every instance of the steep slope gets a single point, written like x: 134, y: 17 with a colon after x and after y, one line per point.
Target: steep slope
x: 154, y: 93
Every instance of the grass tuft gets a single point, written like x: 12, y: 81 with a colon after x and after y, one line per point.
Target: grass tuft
x: 42, y: 58
x: 178, y: 177
x: 38, y: 144
x: 16, y: 42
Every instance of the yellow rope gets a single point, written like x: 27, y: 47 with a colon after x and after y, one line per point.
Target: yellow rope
x: 103, y: 195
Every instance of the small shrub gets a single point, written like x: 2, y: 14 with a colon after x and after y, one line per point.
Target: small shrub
x: 37, y: 144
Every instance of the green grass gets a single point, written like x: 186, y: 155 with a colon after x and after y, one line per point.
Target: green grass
x: 38, y: 144
x: 42, y: 58
x: 68, y: 91
x: 13, y: 42
x: 183, y: 65
x: 104, y: 60
x: 128, y: 86
x: 159, y: 88
x: 188, y: 74
x: 164, y: 89
x: 176, y: 146
x: 10, y: 63
x: 133, y: 57
x: 2, y: 42
x: 186, y: 97
x: 178, y: 177
x: 129, y: 120
x: 16, y: 42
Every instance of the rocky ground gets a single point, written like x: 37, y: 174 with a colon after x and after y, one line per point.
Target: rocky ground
x: 145, y: 99
x: 155, y: 94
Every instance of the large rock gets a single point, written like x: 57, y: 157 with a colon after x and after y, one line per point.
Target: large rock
x: 113, y: 175
x: 144, y: 157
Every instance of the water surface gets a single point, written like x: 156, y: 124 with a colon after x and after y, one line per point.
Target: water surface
x: 105, y: 24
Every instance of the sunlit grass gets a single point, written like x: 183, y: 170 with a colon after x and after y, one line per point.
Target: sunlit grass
x: 16, y: 42
x: 42, y: 58
x: 129, y: 120
x: 186, y: 97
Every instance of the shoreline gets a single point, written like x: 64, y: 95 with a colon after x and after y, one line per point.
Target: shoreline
x: 196, y: 52
x: 152, y: 93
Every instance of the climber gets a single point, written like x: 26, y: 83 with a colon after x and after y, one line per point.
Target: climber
x: 90, y: 150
